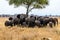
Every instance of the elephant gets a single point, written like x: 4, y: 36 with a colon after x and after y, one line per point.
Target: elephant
x: 16, y: 21
x: 56, y: 20
x: 37, y: 23
x: 22, y: 18
x: 51, y: 24
x: 8, y: 23
x: 53, y: 21
x: 30, y: 21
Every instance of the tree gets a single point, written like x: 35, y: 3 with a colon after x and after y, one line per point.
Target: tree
x: 29, y: 4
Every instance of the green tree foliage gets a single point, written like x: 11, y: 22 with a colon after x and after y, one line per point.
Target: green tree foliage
x: 29, y: 4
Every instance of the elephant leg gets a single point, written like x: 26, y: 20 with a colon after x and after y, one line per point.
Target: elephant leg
x: 54, y: 24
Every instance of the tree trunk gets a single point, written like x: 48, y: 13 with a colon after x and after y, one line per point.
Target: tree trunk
x: 27, y: 10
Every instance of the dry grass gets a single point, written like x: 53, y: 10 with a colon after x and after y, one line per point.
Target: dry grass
x: 18, y: 33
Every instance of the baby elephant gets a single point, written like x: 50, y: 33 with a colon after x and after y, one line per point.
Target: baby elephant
x: 8, y: 23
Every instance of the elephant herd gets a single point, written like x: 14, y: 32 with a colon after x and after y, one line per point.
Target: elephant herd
x: 31, y: 21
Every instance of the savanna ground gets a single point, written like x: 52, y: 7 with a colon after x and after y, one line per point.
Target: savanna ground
x: 19, y: 33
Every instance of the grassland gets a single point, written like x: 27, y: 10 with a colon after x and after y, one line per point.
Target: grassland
x: 18, y: 33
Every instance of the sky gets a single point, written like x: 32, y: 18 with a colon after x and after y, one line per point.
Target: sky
x: 52, y: 9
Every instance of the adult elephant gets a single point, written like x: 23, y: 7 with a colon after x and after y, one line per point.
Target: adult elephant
x: 21, y: 18
x: 53, y: 20
x: 43, y: 21
x: 56, y: 20
x: 30, y: 21
x: 16, y: 21
x: 37, y: 23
